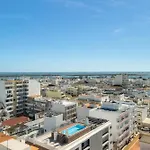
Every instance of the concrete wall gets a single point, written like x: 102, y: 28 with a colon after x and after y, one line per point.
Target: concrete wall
x: 34, y: 88
x: 144, y: 146
x: 143, y: 110
x: 96, y: 141
x: 53, y: 122
x: 82, y: 112
x: 111, y: 116
x: 2, y: 92
x: 144, y: 114
x: 56, y: 107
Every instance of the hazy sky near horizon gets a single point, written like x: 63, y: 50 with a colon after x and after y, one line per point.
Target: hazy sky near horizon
x: 74, y: 35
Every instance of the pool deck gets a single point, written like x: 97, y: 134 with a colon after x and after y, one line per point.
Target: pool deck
x: 66, y: 127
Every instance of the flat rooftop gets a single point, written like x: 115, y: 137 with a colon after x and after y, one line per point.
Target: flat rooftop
x: 145, y: 139
x: 114, y: 106
x: 147, y: 121
x: 59, y: 138
x: 64, y: 102
x: 13, y: 144
x: 3, y: 147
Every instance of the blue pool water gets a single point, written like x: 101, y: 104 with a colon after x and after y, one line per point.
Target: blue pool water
x: 74, y: 129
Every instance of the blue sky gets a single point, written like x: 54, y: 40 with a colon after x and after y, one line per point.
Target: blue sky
x: 74, y: 35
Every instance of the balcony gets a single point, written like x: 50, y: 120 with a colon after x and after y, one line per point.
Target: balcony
x: 121, y: 144
x: 105, y: 134
x: 123, y: 135
x: 106, y: 147
x: 126, y: 122
x: 126, y: 125
x: 87, y: 148
x: 121, y: 126
x: 9, y: 102
x: 105, y: 142
x: 9, y: 96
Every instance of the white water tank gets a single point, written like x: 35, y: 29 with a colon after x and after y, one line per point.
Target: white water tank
x: 55, y: 136
x: 87, y: 121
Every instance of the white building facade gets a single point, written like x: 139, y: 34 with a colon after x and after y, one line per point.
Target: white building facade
x: 141, y: 114
x: 118, y: 115
x: 121, y: 80
x: 96, y: 135
x: 67, y: 108
x: 13, y: 94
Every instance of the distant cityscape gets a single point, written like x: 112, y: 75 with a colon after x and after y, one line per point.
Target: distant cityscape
x: 75, y: 111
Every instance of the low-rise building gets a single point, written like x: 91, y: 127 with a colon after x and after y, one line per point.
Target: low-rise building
x: 14, y: 125
x: 141, y: 114
x: 67, y: 108
x: 34, y: 106
x: 93, y: 98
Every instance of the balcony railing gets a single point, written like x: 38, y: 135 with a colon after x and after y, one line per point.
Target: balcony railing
x: 105, y: 134
x: 105, y: 142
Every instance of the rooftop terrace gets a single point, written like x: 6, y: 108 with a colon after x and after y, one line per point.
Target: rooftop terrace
x: 66, y: 134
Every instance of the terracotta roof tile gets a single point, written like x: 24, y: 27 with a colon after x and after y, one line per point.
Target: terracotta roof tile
x: 15, y: 121
x: 4, y: 137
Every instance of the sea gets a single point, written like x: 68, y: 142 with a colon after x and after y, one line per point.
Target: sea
x: 145, y: 75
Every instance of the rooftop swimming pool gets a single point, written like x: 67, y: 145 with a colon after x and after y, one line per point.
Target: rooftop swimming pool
x: 73, y: 130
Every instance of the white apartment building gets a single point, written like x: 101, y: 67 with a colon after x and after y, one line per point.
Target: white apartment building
x: 118, y: 115
x: 132, y: 116
x: 13, y: 94
x: 87, y: 134
x: 141, y: 114
x: 67, y: 108
x: 121, y: 80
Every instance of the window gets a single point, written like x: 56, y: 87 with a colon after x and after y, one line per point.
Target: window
x: 106, y: 140
x: 105, y: 147
x: 8, y: 96
x: 8, y: 101
x: 8, y: 105
x: 7, y: 88
x: 9, y: 109
x: 85, y: 144
x: 8, y: 92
